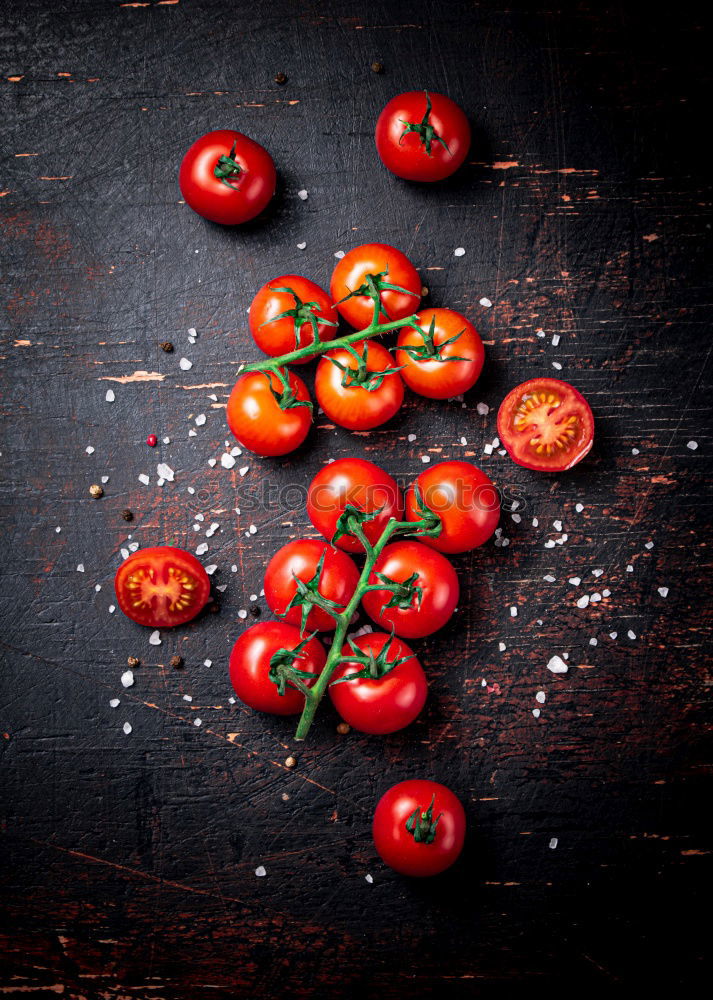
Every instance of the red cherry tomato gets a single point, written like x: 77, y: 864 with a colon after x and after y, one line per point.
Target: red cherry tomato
x: 256, y: 418
x: 355, y: 395
x: 428, y: 361
x: 161, y: 586
x: 427, y: 600
x: 285, y: 313
x: 422, y: 136
x: 465, y: 500
x: 384, y: 266
x: 324, y: 569
x: 379, y: 704
x: 546, y: 425
x: 419, y: 827
x: 359, y: 483
x: 227, y: 177
x: 250, y: 663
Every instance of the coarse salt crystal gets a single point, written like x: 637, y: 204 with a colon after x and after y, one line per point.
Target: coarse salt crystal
x: 235, y: 452
x: 301, y: 246
x: 425, y: 459
x: 244, y: 470
x: 549, y: 578
x: 234, y: 568
x: 555, y: 339
x: 339, y: 254
x: 663, y: 591
x: 242, y: 613
x: 210, y: 570
x: 166, y: 440
x: 535, y: 522
x: 207, y: 663
x: 227, y: 461
x: 463, y: 441
x: 632, y: 635
x: 692, y: 445
x: 540, y: 696
x: 143, y: 478
x: 549, y: 544
x: 253, y: 529
x: 165, y: 472
x: 112, y: 609
x: 303, y: 195
x: 595, y: 598
x: 127, y: 728
x: 155, y: 638
x: 629, y: 568
x: 606, y: 593
x: 575, y: 580
x: 58, y: 529
x: 201, y: 549
x: 649, y: 545
x: 613, y: 635
x: 557, y: 366
x: 502, y: 647
x: 200, y: 420
x: 592, y: 642
x: 190, y: 490
x: 192, y: 433
x: 369, y: 879
x: 516, y: 518
x: 459, y: 251
x: 536, y: 712
x: 483, y: 409
x: 127, y: 678
x: 197, y: 722
x: 513, y: 611
x: 597, y: 572
x: 557, y: 665
x: 80, y: 568
x: 192, y: 330
x: 557, y: 525
x: 486, y: 303
x: 114, y: 702
x: 540, y: 333
x: 110, y: 397
x: 634, y: 451
x: 488, y: 449
x: 185, y: 365
x: 553, y: 843
x: 583, y: 601
x: 212, y: 462
x: 260, y: 871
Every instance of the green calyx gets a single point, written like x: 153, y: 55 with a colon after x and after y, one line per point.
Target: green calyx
x: 374, y: 285
x: 351, y: 521
x: 429, y: 350
x: 283, y: 671
x: 430, y: 522
x: 285, y: 397
x: 227, y: 167
x: 422, y: 825
x: 404, y: 595
x: 360, y: 377
x: 308, y: 596
x: 303, y: 312
x: 373, y: 667
x: 425, y: 131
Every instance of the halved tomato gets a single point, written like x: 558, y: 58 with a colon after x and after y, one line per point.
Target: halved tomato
x: 546, y: 425
x: 161, y: 586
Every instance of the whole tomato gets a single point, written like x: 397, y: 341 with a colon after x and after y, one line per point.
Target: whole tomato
x: 381, y: 270
x: 265, y: 647
x: 361, y: 484
x: 419, y: 827
x: 287, y: 313
x: 462, y: 497
x: 227, y: 177
x: 422, y: 136
x: 161, y: 586
x: 382, y: 689
x: 359, y: 387
x: 256, y: 415
x: 427, y: 594
x: 322, y: 570
x: 443, y: 358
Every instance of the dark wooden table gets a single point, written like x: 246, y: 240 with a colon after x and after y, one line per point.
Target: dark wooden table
x: 584, y: 211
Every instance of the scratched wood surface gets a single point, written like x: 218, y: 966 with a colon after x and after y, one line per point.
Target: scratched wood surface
x: 584, y: 211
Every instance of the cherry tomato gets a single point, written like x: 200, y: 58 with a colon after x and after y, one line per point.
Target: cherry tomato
x: 419, y: 827
x: 256, y: 418
x: 546, y: 425
x: 379, y: 266
x: 227, y: 177
x: 465, y: 500
x: 428, y: 359
x: 359, y: 483
x: 351, y: 390
x: 324, y: 569
x: 285, y: 313
x: 429, y: 593
x: 422, y: 136
x: 251, y: 659
x: 386, y: 701
x: 161, y: 586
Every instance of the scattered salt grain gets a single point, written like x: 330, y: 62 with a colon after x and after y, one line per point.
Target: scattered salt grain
x: 663, y: 591
x: 301, y: 246
x: 513, y: 611
x: 303, y: 195
x: 201, y: 549
x: 595, y: 598
x: 369, y: 879
x: 488, y: 449
x: 553, y: 843
x: 692, y: 445
x: 127, y: 728
x: 632, y: 635
x: 575, y: 580
x: 557, y: 665
x: 536, y: 712
x: 555, y: 339
x: 185, y: 365
x: 190, y: 490
x: 207, y: 663
x: 234, y: 568
x: 629, y: 568
x: 192, y: 433
x: 634, y: 451
x: 483, y: 409
x: 425, y: 459
x: 516, y: 518
x: 244, y: 470
x: 210, y: 570
x: 58, y: 529
x: 188, y: 697
x: 260, y: 871
x: 459, y: 252
x: 597, y: 572
x: 110, y: 397
x: 235, y: 452
x: 166, y: 440
x: 112, y: 609
x: 227, y: 461
x: 242, y: 613
x: 165, y: 472
x: 114, y: 703
x: 200, y: 420
x: 212, y: 530
x: 557, y: 525
x: 339, y: 254
x: 486, y: 303
x: 155, y: 638
x: 592, y: 642
x: 549, y: 578
x: 583, y: 601
x: 80, y: 568
x: 613, y: 635
x: 463, y: 441
x: 606, y: 593
x: 143, y: 478
x: 198, y: 722
x: 212, y: 462
x: 222, y: 587
x: 540, y: 696
x: 649, y: 545
x: 252, y: 529
x: 549, y: 544
x: 540, y: 333
x: 192, y: 332
x: 253, y: 597
x: 502, y: 647
x: 535, y: 522
x: 579, y: 507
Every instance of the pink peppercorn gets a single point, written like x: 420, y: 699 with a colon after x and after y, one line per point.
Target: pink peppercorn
x: 152, y: 440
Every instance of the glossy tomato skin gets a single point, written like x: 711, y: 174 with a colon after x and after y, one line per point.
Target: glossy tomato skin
x: 300, y: 558
x: 161, y: 586
x: 256, y: 420
x: 363, y: 485
x: 436, y: 578
x: 276, y: 337
x: 354, y: 406
x: 248, y: 193
x: 405, y: 154
x: 375, y: 258
x: 398, y: 848
x: 465, y: 500
x: 250, y: 667
x: 386, y: 704
x: 441, y: 379
x: 555, y: 416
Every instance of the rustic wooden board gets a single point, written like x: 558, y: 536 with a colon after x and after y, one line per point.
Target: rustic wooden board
x: 584, y: 211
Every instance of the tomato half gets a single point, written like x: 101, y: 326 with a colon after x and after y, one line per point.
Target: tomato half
x: 323, y: 568
x: 250, y: 666
x: 378, y: 266
x: 351, y: 390
x: 465, y: 500
x: 227, y: 177
x: 161, y: 586
x: 546, y: 425
x: 427, y: 598
x: 429, y: 358
x: 422, y: 136
x: 359, y: 483
x: 419, y: 827
x: 256, y: 418
x: 285, y: 313
x: 379, y: 704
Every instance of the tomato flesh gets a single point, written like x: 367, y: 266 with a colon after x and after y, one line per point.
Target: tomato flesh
x: 161, y: 586
x: 546, y: 425
x: 398, y: 847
